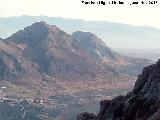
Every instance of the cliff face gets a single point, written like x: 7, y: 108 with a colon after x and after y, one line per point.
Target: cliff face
x: 142, y: 103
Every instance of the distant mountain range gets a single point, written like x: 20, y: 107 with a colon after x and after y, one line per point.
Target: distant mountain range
x: 43, y: 61
x: 116, y: 35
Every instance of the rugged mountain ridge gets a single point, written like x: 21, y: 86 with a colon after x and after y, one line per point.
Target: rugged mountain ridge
x: 55, y: 53
x: 43, y: 53
x: 142, y: 103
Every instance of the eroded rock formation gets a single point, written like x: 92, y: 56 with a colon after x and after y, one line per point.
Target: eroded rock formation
x: 142, y: 103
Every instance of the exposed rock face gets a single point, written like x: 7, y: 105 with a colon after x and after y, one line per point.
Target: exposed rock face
x: 143, y: 103
x: 9, y: 66
x: 86, y: 116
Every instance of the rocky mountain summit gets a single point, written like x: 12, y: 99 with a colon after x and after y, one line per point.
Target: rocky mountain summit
x: 142, y: 103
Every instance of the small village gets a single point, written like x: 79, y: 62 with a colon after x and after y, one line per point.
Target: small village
x: 38, y: 100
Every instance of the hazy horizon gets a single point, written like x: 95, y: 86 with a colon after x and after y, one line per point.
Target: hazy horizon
x: 80, y: 19
x: 74, y: 9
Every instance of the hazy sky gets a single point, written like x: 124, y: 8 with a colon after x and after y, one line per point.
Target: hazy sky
x: 138, y: 15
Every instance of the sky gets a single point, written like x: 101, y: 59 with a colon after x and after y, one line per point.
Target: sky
x: 143, y: 15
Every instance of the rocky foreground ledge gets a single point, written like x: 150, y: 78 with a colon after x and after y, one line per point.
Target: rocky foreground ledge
x: 142, y: 103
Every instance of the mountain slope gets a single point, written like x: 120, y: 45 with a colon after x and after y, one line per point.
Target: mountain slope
x: 142, y: 103
x: 99, y: 50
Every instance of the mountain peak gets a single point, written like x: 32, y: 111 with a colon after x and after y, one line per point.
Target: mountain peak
x: 92, y: 44
x: 87, y: 35
x: 36, y: 32
x: 43, y: 24
x: 39, y: 24
x: 89, y: 38
x: 43, y: 27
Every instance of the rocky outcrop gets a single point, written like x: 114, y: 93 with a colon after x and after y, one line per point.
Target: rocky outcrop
x: 143, y: 103
x: 10, y: 67
x: 86, y: 116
